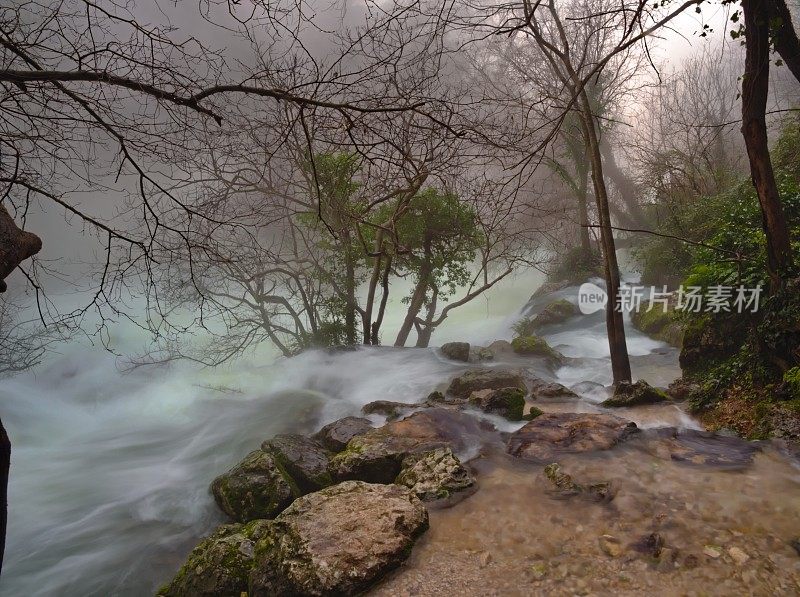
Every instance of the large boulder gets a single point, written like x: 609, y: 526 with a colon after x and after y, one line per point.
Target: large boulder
x: 457, y: 351
x: 377, y: 456
x: 305, y: 460
x: 635, y: 394
x: 535, y: 346
x: 552, y: 434
x: 338, y: 541
x: 220, y: 565
x: 506, y: 402
x: 485, y: 379
x: 255, y: 488
x: 434, y: 475
x: 334, y: 436
x: 556, y: 312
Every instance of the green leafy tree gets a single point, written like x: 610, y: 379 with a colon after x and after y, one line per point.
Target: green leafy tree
x: 438, y: 237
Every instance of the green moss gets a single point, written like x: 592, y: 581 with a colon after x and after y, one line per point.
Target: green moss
x: 256, y: 488
x: 534, y: 345
x: 533, y: 413
x: 220, y: 564
x: 515, y: 403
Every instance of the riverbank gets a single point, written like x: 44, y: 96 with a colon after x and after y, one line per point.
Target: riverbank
x: 679, y: 509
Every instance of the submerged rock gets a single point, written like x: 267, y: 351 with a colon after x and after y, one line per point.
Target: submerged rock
x: 303, y: 458
x: 220, y: 565
x: 634, y: 394
x: 563, y: 482
x: 557, y: 433
x: 255, y: 488
x: 387, y: 408
x: 610, y: 545
x: 456, y: 351
x: 702, y: 448
x: 650, y: 545
x: 334, y: 436
x: 485, y: 379
x: 377, y: 456
x: 565, y: 487
x: 434, y: 475
x: 550, y: 390
x: 338, y: 541
x: 506, y: 402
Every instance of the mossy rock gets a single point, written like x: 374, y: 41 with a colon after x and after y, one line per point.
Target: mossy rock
x: 534, y: 346
x: 338, y: 541
x: 635, y: 394
x: 658, y: 324
x: 220, y: 565
x: 506, y: 402
x: 255, y: 488
x: 305, y: 459
x: 434, y: 475
x: 556, y: 312
x: 533, y: 412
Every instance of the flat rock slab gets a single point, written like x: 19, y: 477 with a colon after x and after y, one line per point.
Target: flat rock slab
x: 338, y: 541
x: 701, y: 448
x: 377, y: 456
x: 335, y: 436
x: 485, y: 379
x: 551, y: 434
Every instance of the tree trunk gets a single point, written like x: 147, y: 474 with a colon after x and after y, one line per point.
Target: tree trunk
x: 425, y: 331
x: 784, y: 36
x: 350, y: 291
x: 583, y: 215
x: 16, y: 245
x: 376, y: 326
x: 755, y: 87
x: 5, y: 466
x: 615, y: 326
x: 417, y: 298
x: 373, y: 285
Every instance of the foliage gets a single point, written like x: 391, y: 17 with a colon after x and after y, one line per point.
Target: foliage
x: 440, y: 233
x: 575, y: 266
x: 792, y: 380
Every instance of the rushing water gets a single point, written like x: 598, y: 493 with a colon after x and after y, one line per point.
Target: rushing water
x: 110, y: 471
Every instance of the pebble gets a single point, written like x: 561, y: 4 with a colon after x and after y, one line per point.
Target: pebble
x: 485, y: 559
x: 610, y: 545
x: 711, y: 551
x: 738, y: 555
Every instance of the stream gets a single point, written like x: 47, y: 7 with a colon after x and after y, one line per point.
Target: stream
x: 110, y: 470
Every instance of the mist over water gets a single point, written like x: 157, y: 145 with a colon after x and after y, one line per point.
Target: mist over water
x: 110, y: 470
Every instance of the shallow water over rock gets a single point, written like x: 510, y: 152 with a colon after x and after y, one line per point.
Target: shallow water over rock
x: 512, y: 537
